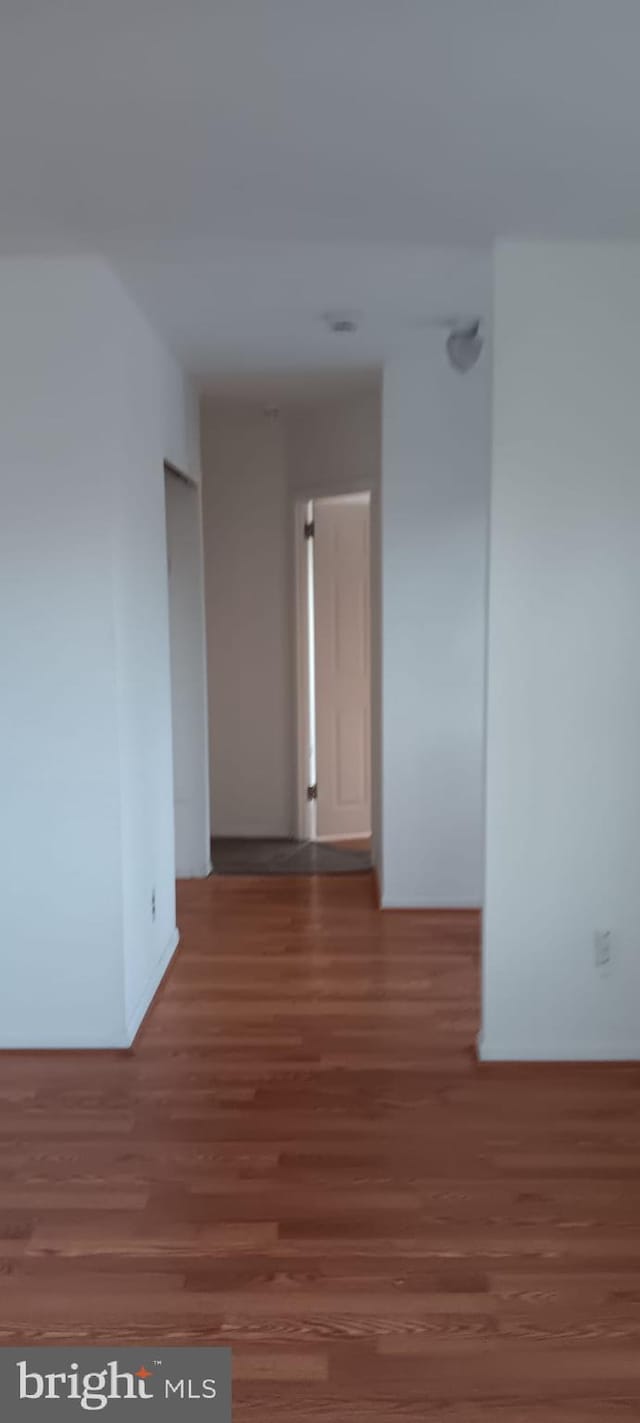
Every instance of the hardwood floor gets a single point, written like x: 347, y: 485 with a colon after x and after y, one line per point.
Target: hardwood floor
x: 302, y: 1158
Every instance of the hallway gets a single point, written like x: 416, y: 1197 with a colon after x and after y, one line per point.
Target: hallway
x: 302, y: 1159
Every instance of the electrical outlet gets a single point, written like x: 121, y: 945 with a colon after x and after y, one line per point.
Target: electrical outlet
x: 153, y: 905
x: 603, y: 949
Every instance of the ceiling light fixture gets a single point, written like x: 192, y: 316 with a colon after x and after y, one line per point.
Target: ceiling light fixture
x: 342, y: 323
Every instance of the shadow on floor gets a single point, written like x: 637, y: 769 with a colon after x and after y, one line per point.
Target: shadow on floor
x: 287, y: 857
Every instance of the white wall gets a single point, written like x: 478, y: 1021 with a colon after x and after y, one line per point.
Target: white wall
x: 248, y: 622
x: 155, y: 417
x: 60, y: 966
x: 435, y: 478
x: 563, y: 745
x: 83, y: 654
x: 188, y: 677
x: 333, y: 444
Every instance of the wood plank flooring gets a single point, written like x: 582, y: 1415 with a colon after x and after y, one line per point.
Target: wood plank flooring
x: 301, y: 1158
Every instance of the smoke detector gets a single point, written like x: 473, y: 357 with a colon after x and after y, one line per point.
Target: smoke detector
x: 464, y: 340
x: 464, y: 345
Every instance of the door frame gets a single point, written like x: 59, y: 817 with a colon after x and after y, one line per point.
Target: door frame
x: 196, y: 862
x: 305, y: 810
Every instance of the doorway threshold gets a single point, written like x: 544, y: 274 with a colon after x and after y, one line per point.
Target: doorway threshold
x: 236, y: 856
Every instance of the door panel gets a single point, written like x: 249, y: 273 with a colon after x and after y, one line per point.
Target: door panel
x: 343, y: 671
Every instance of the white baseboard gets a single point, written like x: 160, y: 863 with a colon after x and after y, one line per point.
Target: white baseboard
x: 502, y: 1050
x: 113, y: 1042
x: 436, y: 907
x: 134, y: 1018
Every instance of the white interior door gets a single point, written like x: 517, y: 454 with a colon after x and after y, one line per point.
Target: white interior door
x: 343, y: 666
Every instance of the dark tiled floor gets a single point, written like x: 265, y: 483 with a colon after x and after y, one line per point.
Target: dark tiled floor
x: 286, y: 857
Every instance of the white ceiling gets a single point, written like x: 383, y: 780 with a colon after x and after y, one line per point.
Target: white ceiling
x: 248, y: 318
x: 164, y: 131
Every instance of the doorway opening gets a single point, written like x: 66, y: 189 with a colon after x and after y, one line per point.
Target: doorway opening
x: 331, y: 713
x: 333, y: 603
